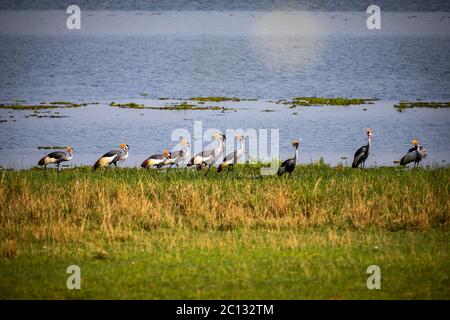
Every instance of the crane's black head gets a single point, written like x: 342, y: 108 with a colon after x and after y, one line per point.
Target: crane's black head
x: 295, y: 144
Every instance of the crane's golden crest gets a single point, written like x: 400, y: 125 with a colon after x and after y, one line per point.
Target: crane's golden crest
x: 415, y: 142
x: 183, y: 142
x: 123, y: 145
x: 295, y: 143
x: 69, y: 149
x: 369, y: 131
x: 239, y: 136
x: 166, y: 153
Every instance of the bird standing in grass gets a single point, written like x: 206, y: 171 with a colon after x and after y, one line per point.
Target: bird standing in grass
x: 362, y: 153
x: 56, y: 157
x: 112, y: 157
x: 289, y: 164
x: 416, y: 154
x: 209, y: 157
x: 157, y: 160
x: 177, y: 157
x: 232, y: 158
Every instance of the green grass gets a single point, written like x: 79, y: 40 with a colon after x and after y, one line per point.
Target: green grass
x: 181, y: 235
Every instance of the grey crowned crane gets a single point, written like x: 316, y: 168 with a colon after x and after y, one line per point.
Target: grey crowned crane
x: 56, y: 157
x: 209, y: 157
x: 156, y: 160
x: 180, y: 156
x: 416, y: 154
x: 289, y: 164
x: 232, y: 158
x: 362, y: 153
x: 112, y: 157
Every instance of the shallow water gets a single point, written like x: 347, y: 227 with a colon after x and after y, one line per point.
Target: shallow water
x: 328, y: 132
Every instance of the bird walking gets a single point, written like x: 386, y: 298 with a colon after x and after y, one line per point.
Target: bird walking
x: 209, y: 157
x: 177, y: 157
x: 232, y: 158
x: 112, y: 157
x: 157, y: 160
x: 362, y: 153
x: 56, y: 157
x: 416, y: 154
x: 289, y: 164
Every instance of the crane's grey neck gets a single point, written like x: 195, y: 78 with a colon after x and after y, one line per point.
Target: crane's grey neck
x: 369, y: 142
x: 296, y: 154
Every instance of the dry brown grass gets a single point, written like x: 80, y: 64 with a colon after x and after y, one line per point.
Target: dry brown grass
x: 80, y: 205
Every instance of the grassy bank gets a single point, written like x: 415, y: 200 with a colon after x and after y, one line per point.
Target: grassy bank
x: 138, y: 234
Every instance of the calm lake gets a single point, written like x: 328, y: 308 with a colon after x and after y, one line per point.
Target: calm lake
x: 140, y: 56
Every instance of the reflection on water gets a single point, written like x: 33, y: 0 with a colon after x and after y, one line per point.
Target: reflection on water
x: 328, y: 132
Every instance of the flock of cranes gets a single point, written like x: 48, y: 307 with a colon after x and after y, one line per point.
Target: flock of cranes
x: 207, y: 158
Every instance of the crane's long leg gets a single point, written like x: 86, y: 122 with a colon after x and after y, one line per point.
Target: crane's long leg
x: 209, y: 168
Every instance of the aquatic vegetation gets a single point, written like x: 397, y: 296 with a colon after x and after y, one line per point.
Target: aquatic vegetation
x: 50, y: 147
x: 35, y: 115
x: 186, y: 106
x: 42, y: 105
x: 215, y: 99
x: 402, y: 105
x: 180, y: 107
x: 316, y: 101
x: 130, y: 105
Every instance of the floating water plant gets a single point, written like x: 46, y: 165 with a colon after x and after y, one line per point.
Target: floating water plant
x: 181, y: 106
x: 215, y: 99
x: 50, y: 147
x: 402, y: 105
x: 317, y: 101
x: 42, y: 105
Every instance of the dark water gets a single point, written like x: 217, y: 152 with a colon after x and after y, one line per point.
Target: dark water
x: 317, y: 5
x: 92, y: 67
